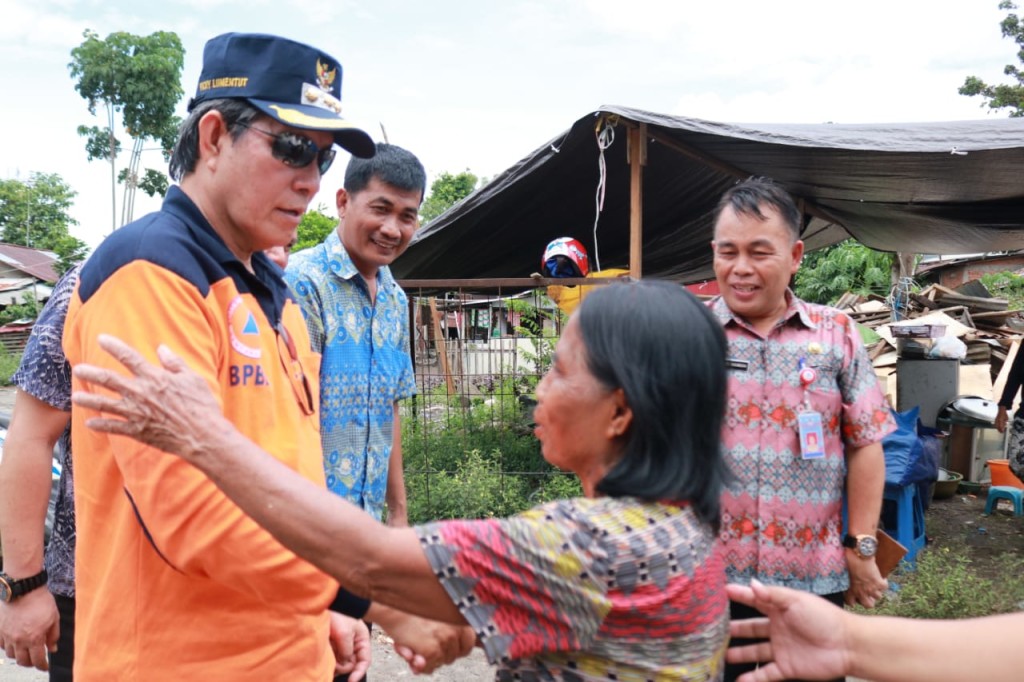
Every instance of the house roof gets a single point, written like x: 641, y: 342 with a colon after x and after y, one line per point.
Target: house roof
x: 940, y: 188
x: 35, y: 262
x: 23, y: 290
x: 936, y: 265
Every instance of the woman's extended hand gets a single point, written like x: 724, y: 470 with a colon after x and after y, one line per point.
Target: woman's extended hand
x: 170, y: 407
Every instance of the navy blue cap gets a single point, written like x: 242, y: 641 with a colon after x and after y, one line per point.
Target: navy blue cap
x: 293, y: 83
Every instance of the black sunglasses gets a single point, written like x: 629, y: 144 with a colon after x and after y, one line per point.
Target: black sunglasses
x: 295, y: 150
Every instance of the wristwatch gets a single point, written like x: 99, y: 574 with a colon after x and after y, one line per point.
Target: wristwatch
x: 863, y: 546
x: 11, y: 589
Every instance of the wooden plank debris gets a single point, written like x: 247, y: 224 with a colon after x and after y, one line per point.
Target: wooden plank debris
x: 986, y: 324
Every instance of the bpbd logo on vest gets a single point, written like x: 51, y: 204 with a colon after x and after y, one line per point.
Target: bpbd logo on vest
x: 244, y: 334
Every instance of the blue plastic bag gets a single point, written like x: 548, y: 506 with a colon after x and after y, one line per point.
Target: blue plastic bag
x: 912, y: 451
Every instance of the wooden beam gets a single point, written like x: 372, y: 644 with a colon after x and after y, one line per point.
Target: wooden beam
x: 637, y: 161
x: 440, y: 343
x: 503, y: 282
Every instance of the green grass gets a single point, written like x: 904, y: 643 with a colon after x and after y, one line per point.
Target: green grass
x: 947, y: 585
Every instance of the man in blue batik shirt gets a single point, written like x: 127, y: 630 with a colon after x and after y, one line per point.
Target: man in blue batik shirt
x: 358, y: 320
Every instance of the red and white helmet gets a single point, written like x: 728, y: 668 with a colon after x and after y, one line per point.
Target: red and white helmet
x: 565, y: 257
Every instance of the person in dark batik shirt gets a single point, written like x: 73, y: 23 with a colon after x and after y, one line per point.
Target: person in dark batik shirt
x: 32, y: 624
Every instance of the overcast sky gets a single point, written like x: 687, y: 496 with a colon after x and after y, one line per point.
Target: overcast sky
x: 480, y: 84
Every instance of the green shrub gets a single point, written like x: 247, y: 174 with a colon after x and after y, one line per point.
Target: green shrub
x: 945, y: 585
x: 8, y: 365
x: 445, y: 428
x: 477, y: 489
x: 28, y: 309
x: 475, y: 456
x: 1005, y: 285
x: 557, y: 486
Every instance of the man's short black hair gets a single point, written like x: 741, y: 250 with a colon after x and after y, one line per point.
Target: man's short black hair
x: 749, y: 196
x: 392, y: 165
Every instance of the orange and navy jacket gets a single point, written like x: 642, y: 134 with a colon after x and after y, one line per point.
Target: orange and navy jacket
x: 175, y: 582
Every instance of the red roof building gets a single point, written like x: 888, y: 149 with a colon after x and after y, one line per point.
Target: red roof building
x: 18, y: 261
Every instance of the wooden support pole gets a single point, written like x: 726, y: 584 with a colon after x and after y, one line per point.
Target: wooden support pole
x: 637, y: 161
x: 440, y: 342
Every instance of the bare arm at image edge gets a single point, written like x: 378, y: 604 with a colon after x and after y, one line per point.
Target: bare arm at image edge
x: 814, y: 640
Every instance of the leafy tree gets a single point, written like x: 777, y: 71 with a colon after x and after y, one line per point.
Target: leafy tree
x: 314, y: 228
x: 445, y: 192
x: 140, y: 78
x: 98, y: 141
x: 1003, y: 96
x: 152, y: 183
x: 827, y: 274
x: 36, y: 214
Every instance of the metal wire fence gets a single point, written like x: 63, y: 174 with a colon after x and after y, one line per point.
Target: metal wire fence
x: 467, y: 436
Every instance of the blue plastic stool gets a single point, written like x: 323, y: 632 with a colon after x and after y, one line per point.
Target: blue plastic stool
x: 903, y: 518
x: 1005, y: 492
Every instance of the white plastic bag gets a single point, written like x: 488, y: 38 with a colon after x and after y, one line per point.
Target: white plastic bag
x: 948, y: 347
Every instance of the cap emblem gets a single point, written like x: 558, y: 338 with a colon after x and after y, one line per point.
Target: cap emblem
x: 325, y: 76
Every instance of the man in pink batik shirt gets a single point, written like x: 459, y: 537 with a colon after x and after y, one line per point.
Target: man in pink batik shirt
x: 805, y: 417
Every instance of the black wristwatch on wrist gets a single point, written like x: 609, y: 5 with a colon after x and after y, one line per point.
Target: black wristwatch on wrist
x: 11, y: 589
x: 863, y: 546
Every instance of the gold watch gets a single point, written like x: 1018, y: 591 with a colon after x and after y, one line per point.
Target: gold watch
x: 864, y: 546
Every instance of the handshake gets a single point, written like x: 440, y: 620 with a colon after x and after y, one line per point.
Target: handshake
x: 424, y: 644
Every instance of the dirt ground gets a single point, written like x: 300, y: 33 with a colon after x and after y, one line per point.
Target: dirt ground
x: 959, y: 523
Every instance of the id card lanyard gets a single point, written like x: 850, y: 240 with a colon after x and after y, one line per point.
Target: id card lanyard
x: 812, y: 437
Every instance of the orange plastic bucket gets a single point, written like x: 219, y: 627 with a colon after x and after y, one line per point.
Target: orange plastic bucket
x: 1001, y: 474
